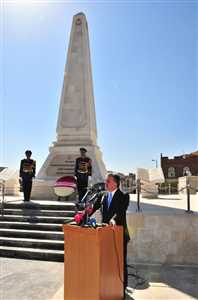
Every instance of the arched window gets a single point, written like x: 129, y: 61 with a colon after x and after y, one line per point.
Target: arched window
x: 171, y: 172
x: 186, y: 171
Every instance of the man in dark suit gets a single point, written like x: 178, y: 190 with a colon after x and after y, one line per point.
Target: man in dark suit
x: 113, y: 207
x: 27, y: 172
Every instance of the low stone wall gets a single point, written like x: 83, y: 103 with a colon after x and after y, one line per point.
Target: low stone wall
x: 192, y: 180
x: 163, y: 239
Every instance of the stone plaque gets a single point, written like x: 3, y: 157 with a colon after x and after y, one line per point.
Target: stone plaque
x: 62, y: 165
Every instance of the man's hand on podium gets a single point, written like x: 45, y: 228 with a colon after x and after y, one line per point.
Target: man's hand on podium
x: 112, y: 222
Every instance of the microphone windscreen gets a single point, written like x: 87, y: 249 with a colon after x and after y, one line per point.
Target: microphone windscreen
x: 78, y: 218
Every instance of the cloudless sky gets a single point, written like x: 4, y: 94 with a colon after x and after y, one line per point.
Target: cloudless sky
x: 144, y: 64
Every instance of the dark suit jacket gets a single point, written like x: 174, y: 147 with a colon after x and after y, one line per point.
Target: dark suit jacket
x: 117, y: 210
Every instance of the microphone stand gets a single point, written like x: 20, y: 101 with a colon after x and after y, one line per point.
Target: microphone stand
x: 86, y: 203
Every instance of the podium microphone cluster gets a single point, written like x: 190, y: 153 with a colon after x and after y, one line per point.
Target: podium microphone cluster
x: 82, y: 218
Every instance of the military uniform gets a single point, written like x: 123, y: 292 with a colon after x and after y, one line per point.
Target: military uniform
x: 27, y: 172
x: 83, y: 169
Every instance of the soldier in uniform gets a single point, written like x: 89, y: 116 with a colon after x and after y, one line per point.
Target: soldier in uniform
x: 27, y: 172
x: 83, y: 169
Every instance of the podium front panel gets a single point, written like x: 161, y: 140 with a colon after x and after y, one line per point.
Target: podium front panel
x: 93, y: 267
x: 111, y: 263
x: 81, y: 264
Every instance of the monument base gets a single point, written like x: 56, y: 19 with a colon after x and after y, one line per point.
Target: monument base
x: 61, y: 162
x: 42, y: 189
x: 149, y: 190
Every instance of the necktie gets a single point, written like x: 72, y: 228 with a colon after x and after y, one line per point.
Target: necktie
x: 109, y: 199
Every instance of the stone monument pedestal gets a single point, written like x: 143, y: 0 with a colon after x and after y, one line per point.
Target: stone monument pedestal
x: 149, y: 179
x: 149, y: 190
x: 42, y: 189
x: 61, y: 162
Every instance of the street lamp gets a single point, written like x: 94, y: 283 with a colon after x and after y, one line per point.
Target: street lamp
x: 156, y: 163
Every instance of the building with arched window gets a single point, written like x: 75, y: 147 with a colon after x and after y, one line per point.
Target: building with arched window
x: 186, y: 171
x: 179, y: 166
x: 171, y: 172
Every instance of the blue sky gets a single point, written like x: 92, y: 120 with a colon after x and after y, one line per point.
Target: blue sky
x: 144, y: 63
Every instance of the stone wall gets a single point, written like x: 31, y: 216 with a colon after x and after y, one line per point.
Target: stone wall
x: 163, y: 239
x: 192, y: 181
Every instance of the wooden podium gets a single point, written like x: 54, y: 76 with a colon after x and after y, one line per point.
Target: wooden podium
x: 93, y: 267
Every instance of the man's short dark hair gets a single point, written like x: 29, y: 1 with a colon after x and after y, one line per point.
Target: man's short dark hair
x: 83, y: 150
x: 28, y: 152
x: 116, y: 178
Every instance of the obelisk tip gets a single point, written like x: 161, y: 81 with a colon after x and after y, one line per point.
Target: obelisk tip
x: 80, y: 14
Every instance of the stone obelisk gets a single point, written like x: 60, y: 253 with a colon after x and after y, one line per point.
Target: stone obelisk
x: 76, y: 126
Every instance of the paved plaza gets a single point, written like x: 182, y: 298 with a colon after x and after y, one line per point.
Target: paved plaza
x: 37, y: 280
x: 40, y: 280
x: 165, y: 204
x: 162, y: 204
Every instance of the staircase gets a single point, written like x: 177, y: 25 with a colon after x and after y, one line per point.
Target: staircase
x: 33, y: 230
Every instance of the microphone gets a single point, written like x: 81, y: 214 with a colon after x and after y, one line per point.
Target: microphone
x: 78, y: 218
x: 92, y: 222
x: 82, y: 205
x: 92, y: 194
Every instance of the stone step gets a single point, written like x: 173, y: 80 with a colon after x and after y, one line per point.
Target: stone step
x: 35, y: 219
x: 32, y: 243
x: 35, y: 212
x: 40, y: 206
x: 34, y: 230
x: 31, y: 226
x: 38, y: 234
x: 31, y: 253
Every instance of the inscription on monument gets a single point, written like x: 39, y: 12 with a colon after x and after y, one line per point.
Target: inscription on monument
x: 62, y: 167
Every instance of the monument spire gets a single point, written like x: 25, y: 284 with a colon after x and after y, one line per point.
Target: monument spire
x: 77, y: 110
x: 76, y: 125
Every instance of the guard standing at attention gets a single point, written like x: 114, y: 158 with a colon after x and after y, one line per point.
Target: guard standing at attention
x: 27, y: 172
x: 83, y: 169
